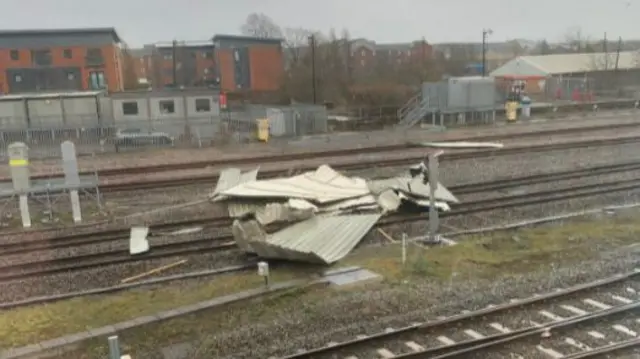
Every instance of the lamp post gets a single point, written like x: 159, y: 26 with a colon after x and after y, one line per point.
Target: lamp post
x: 485, y: 34
x: 312, y: 44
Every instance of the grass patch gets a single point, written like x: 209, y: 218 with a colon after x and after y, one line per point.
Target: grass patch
x: 27, y: 325
x: 492, y: 254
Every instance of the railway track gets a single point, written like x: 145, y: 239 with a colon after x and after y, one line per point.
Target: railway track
x: 360, y: 164
x: 590, y: 316
x: 557, y: 339
x: 331, y: 153
x: 96, y: 237
x: 78, y: 239
x: 224, y: 240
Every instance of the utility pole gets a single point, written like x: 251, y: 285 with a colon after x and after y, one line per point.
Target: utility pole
x: 606, y: 52
x: 616, y: 72
x: 423, y: 59
x: 312, y: 43
x: 174, y: 67
x: 485, y: 34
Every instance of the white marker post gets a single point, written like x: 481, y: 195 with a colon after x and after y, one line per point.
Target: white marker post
x: 263, y: 271
x: 433, y: 186
x: 404, y: 248
x: 72, y: 177
x: 19, y: 164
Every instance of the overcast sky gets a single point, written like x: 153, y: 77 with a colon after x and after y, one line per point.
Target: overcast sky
x: 146, y: 21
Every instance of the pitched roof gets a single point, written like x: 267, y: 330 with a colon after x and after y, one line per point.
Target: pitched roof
x: 585, y: 62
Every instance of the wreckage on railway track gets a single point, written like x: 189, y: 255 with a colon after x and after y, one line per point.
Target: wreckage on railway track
x: 324, y: 213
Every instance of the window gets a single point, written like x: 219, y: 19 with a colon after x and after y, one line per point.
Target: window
x: 97, y: 80
x: 168, y: 57
x: 203, y: 105
x: 130, y: 108
x: 67, y: 53
x: 167, y: 106
x: 363, y: 53
x: 41, y: 57
x: 207, y: 54
x: 15, y: 55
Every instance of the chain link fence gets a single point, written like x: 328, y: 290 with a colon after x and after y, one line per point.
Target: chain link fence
x: 96, y: 134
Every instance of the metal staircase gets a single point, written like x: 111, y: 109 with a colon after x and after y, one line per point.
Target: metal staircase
x: 413, y: 111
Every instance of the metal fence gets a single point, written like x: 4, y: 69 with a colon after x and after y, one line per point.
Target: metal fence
x: 578, y: 89
x: 472, y: 99
x: 92, y: 134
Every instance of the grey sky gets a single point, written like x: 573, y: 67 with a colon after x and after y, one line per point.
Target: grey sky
x: 144, y: 21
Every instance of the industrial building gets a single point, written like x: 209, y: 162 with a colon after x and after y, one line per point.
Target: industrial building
x: 567, y: 73
x: 228, y: 62
x: 60, y: 60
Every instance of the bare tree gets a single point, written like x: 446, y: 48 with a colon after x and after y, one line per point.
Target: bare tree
x: 296, y: 43
x: 576, y: 40
x: 262, y: 26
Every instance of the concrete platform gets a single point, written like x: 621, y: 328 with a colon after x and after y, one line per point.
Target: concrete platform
x: 349, y: 276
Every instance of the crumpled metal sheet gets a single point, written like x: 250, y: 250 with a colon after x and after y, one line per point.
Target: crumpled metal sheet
x: 323, y: 185
x: 247, y: 232
x: 411, y: 186
x: 282, y: 212
x: 321, y: 239
x: 231, y: 177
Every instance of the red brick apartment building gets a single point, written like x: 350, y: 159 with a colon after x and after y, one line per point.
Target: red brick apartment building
x: 232, y: 63
x: 60, y: 60
x: 366, y: 53
x: 248, y: 63
x: 175, y: 64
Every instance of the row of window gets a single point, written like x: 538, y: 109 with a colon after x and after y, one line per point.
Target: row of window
x: 166, y: 106
x: 208, y: 54
x: 45, y: 55
x: 364, y: 53
x: 97, y: 80
x: 169, y: 72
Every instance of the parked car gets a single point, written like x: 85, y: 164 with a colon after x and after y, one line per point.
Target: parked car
x: 138, y: 138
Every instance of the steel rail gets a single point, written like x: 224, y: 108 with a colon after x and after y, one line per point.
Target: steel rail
x: 206, y: 245
x: 459, y: 320
x: 361, y: 164
x: 99, y: 237
x: 78, y: 239
x: 334, y: 153
x: 497, y: 341
x: 607, y: 349
x: 18, y: 247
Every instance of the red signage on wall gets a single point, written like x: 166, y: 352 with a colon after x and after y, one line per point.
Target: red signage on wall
x: 223, y: 100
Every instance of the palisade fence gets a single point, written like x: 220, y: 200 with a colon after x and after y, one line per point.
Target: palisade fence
x: 93, y: 135
x: 580, y: 89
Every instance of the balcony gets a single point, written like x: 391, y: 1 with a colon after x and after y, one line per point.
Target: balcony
x: 94, y: 61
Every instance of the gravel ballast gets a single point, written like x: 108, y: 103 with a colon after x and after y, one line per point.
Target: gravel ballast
x: 344, y: 315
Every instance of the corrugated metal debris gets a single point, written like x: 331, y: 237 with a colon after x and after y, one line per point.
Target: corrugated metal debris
x: 318, y: 216
x: 322, y: 239
x: 232, y: 177
x: 322, y: 185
